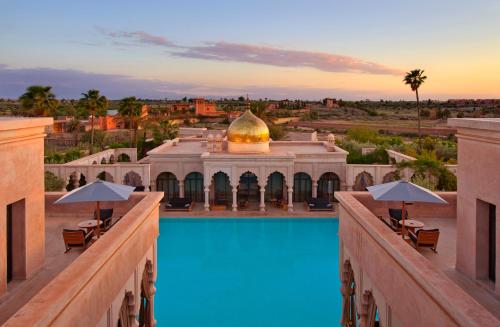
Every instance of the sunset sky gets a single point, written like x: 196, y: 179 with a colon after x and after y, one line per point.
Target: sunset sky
x: 277, y: 49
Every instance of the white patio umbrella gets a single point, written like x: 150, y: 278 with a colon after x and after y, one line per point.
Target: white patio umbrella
x: 97, y: 191
x: 405, y: 192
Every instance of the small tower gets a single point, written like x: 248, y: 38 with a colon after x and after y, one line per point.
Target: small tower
x: 218, y: 143
x: 210, y: 143
x: 331, y: 142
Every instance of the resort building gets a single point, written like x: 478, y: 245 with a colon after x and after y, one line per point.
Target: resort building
x: 206, y: 108
x: 107, y: 281
x: 385, y: 279
x: 244, y: 166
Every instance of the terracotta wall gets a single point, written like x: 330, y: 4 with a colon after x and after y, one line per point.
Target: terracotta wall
x: 478, y: 180
x: 22, y: 181
x: 408, y: 289
x: 90, y: 290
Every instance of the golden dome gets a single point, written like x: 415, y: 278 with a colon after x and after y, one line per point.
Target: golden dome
x: 248, y: 128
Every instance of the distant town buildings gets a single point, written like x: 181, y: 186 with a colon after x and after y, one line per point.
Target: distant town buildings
x: 330, y: 103
x: 206, y: 108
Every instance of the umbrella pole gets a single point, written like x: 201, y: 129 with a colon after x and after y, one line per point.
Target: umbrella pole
x: 403, y: 220
x: 98, y: 229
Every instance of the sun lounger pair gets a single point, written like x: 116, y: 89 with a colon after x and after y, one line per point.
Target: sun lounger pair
x: 179, y: 204
x: 316, y: 204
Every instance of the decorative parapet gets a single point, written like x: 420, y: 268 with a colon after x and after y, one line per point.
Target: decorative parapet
x: 398, y: 157
x: 109, y: 155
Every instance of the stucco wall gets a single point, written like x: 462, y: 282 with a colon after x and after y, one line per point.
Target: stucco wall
x: 408, y: 289
x: 478, y: 179
x: 90, y: 290
x: 21, y: 163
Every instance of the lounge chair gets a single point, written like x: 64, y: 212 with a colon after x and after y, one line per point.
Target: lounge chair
x: 179, y: 204
x: 316, y: 204
x: 243, y: 204
x: 396, y: 214
x: 106, y: 217
x: 425, y: 238
x: 76, y: 238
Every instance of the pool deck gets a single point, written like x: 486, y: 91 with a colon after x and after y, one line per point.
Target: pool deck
x: 299, y: 211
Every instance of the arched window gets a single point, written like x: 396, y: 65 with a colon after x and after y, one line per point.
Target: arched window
x: 363, y: 180
x: 302, y: 187
x: 126, y: 317
x: 193, y: 187
x: 132, y: 179
x: 168, y: 183
x: 82, y: 181
x: 105, y: 176
x: 123, y: 158
x: 328, y: 184
x: 147, y: 293
x: 349, y: 312
x: 391, y: 177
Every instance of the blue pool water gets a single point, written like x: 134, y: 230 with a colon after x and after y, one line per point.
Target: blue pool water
x: 248, y: 272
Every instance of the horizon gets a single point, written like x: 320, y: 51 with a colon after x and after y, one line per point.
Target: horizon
x: 273, y: 50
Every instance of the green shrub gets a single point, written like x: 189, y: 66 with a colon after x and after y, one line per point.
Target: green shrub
x: 53, y: 183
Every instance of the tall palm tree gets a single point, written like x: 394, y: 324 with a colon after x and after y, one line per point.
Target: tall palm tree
x: 93, y: 104
x: 73, y: 126
x: 130, y: 109
x: 39, y: 100
x: 415, y: 79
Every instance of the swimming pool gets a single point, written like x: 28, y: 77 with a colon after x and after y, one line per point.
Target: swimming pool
x: 248, y: 272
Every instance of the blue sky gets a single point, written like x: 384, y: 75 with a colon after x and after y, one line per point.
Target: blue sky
x: 280, y: 49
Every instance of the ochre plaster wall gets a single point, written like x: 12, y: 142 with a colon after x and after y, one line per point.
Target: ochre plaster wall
x: 408, y: 290
x: 21, y: 164
x: 90, y: 288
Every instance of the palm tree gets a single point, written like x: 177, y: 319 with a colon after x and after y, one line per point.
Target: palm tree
x: 415, y: 79
x: 130, y: 109
x: 93, y: 104
x: 73, y: 126
x: 38, y: 100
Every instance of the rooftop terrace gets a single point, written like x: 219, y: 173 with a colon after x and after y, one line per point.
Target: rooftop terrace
x: 58, y: 217
x: 433, y: 272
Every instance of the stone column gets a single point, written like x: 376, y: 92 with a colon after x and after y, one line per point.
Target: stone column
x: 290, y: 199
x: 262, y: 204
x: 181, y: 189
x: 235, y: 198
x: 350, y: 187
x: 207, y: 203
x: 314, y: 189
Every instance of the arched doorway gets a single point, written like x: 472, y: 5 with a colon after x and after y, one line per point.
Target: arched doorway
x: 328, y: 184
x: 248, y: 187
x: 363, y: 180
x: 167, y: 183
x: 193, y: 187
x: 222, y: 188
x: 275, y: 187
x: 302, y: 187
